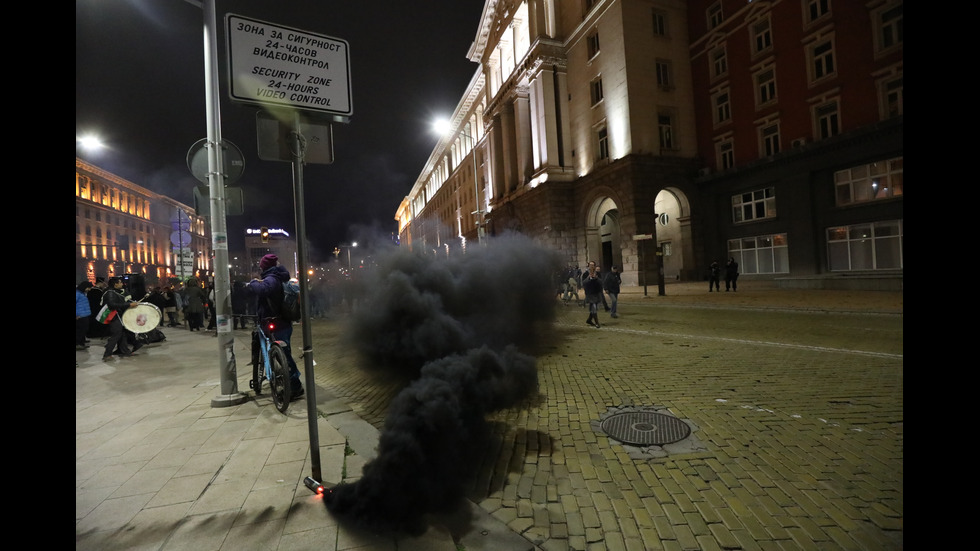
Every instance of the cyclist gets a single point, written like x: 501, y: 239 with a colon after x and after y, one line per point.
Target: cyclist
x: 268, y: 301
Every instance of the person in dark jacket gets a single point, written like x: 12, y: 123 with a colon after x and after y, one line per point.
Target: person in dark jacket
x: 593, y: 294
x: 268, y: 300
x: 714, y: 273
x: 194, y: 308
x: 612, y: 283
x: 96, y: 329
x: 731, y: 275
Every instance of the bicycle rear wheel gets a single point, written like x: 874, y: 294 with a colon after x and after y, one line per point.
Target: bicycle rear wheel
x: 279, y: 385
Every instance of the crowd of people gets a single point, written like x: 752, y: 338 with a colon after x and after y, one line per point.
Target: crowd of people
x: 192, y: 303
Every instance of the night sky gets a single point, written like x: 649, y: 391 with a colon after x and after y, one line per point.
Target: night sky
x: 140, y: 86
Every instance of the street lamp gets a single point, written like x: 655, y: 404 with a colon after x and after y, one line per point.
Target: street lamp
x: 444, y: 127
x: 349, y: 267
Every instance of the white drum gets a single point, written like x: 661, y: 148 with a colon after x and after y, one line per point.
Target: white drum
x: 142, y: 319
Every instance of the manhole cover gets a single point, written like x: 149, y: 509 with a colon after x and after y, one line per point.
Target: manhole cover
x: 644, y: 428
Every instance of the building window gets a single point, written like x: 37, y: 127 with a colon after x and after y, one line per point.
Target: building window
x: 596, y: 89
x: 659, y: 23
x: 719, y: 62
x: 602, y: 143
x: 763, y: 254
x: 769, y: 135
x: 715, y: 15
x: 592, y: 44
x: 827, y: 119
x: 889, y: 27
x: 663, y: 75
x: 870, y: 182
x: 726, y: 154
x: 765, y: 87
x: 892, y: 98
x: 666, y: 127
x: 822, y: 60
x: 723, y: 107
x: 754, y: 205
x: 815, y: 9
x: 863, y: 247
x: 761, y: 36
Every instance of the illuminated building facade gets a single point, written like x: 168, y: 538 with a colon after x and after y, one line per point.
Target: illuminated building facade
x: 122, y: 228
x: 626, y: 130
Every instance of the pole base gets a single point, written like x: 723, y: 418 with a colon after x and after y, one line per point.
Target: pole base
x: 227, y: 400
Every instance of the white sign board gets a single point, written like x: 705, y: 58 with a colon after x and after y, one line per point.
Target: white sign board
x: 275, y: 65
x: 642, y: 236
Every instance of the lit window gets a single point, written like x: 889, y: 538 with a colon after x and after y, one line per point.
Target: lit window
x: 871, y: 182
x: 865, y: 247
x: 763, y: 254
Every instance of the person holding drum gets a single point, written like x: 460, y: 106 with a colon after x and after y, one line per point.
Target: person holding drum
x: 114, y: 298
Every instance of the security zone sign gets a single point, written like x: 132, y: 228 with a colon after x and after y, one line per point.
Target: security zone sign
x: 284, y: 67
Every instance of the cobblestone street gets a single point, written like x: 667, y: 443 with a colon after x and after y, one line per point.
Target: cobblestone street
x: 794, y: 400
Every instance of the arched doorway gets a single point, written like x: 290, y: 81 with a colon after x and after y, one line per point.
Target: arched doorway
x: 673, y: 212
x: 603, y: 234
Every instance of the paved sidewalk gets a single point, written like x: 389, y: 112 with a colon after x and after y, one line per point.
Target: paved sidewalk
x: 157, y: 467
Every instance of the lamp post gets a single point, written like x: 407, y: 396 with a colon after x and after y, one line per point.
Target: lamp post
x: 443, y: 127
x: 349, y: 266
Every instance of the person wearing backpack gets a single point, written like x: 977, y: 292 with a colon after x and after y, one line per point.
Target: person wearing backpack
x: 269, y: 295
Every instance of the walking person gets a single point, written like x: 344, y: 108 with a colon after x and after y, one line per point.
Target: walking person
x: 194, y: 305
x: 731, y: 275
x: 83, y: 314
x: 714, y: 273
x: 612, y: 283
x: 593, y: 294
x: 269, y: 295
x: 118, y: 343
x: 170, y: 305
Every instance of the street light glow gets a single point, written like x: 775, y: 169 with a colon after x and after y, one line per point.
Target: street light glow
x: 90, y: 142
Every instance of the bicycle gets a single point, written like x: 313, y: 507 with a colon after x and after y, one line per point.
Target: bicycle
x: 269, y: 364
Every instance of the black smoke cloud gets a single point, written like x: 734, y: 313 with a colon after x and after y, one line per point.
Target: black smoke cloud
x: 453, y: 326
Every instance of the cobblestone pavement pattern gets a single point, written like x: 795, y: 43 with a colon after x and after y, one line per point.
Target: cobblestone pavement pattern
x: 795, y: 401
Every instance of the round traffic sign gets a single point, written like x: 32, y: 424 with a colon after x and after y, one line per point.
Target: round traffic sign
x: 197, y: 161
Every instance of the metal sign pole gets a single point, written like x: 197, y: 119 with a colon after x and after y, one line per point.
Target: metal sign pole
x: 227, y: 369
x: 298, y: 149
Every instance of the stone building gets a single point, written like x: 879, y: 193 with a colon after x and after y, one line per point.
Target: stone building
x: 663, y: 135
